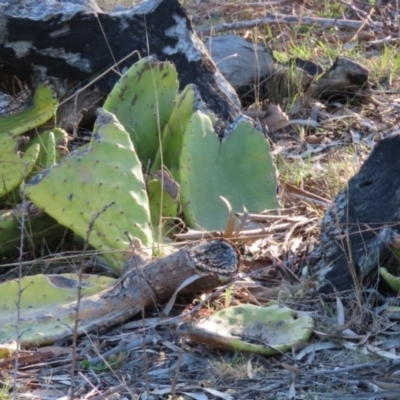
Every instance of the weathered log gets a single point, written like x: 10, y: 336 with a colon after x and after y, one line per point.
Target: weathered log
x: 359, y: 227
x: 244, y: 64
x: 140, y: 287
x: 345, y: 80
x: 73, y: 43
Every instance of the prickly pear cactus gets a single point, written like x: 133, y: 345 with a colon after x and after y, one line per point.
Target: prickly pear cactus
x: 237, y: 328
x: 39, y: 323
x: 240, y: 169
x: 15, y: 166
x: 142, y: 100
x: 53, y: 146
x: 44, y: 106
x: 61, y: 139
x: 392, y: 280
x: 100, y: 185
x: 47, y: 153
x: 185, y: 104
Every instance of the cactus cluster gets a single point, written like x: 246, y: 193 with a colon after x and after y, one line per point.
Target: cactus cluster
x: 183, y: 141
x: 154, y: 156
x: 146, y: 126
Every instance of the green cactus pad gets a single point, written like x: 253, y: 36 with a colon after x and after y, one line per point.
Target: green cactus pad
x: 102, y: 183
x: 240, y: 169
x: 264, y: 330
x: 45, y: 104
x: 392, y: 280
x: 185, y: 104
x: 47, y: 154
x: 53, y: 146
x: 39, y: 298
x: 15, y: 166
x: 61, y: 138
x: 143, y: 100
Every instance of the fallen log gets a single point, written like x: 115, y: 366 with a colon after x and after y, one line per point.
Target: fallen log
x: 361, y: 224
x: 74, y: 43
x: 247, y: 65
x: 216, y: 261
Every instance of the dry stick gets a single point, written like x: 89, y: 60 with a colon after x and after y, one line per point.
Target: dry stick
x: 374, y: 396
x: 381, y: 42
x: 146, y: 339
x: 121, y: 348
x: 110, y: 391
x: 354, y: 8
x: 367, y: 18
x: 265, y: 5
x: 18, y: 304
x: 290, y: 20
x: 21, y: 253
x: 385, y: 364
x: 178, y: 366
x: 79, y: 296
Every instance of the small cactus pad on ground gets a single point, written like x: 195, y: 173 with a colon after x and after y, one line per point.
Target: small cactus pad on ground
x: 264, y: 330
x: 143, y: 100
x: 101, y: 187
x: 240, y: 169
x: 38, y: 298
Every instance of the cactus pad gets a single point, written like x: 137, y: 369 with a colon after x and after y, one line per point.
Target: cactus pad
x: 47, y: 154
x: 45, y: 104
x: 240, y: 169
x: 53, y: 146
x: 15, y: 166
x: 142, y: 100
x: 264, y: 330
x: 101, y: 183
x: 185, y: 104
x: 40, y: 296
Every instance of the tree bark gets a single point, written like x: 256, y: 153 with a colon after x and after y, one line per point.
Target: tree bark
x: 361, y: 224
x: 73, y: 42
